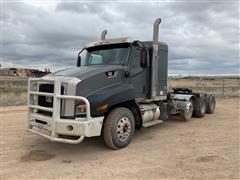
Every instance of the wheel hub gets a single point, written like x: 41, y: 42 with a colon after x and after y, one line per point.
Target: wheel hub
x: 188, y: 106
x: 123, y: 128
x: 189, y: 110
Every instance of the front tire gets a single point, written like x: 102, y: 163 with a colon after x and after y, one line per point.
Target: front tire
x: 119, y: 128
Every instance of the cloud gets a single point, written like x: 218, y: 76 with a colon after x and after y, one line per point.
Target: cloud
x: 203, y: 37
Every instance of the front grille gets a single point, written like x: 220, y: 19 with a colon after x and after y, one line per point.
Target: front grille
x: 41, y: 122
x: 46, y: 101
x: 43, y: 100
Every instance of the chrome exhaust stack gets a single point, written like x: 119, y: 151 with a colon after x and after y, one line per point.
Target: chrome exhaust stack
x: 155, y: 58
x: 103, y: 35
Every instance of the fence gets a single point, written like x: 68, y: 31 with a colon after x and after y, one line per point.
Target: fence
x: 220, y: 87
x: 14, y: 91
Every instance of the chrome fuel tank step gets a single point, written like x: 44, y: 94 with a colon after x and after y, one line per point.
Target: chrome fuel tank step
x: 151, y: 123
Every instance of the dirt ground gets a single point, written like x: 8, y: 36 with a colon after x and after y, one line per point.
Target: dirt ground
x: 205, y: 148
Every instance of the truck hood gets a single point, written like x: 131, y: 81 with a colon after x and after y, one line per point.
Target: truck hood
x: 85, y: 71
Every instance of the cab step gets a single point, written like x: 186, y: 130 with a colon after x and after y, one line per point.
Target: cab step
x: 151, y: 123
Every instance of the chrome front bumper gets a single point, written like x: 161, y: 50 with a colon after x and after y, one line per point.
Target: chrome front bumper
x: 54, y: 127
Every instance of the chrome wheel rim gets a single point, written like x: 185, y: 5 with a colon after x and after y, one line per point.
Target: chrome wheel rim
x: 123, y: 128
x: 189, y: 110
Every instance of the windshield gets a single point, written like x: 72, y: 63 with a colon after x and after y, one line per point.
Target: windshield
x: 106, y: 55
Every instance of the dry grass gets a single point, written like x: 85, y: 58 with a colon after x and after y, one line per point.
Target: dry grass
x: 11, y: 98
x: 13, y: 92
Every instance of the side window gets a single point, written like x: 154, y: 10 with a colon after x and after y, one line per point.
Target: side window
x: 136, y: 58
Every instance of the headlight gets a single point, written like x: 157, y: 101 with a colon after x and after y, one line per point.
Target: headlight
x: 80, y: 110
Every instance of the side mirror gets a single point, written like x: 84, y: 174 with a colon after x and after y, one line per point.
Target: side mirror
x: 143, y: 61
x: 79, y: 61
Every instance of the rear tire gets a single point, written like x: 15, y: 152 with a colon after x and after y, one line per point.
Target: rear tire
x: 210, y: 103
x: 119, y: 128
x: 200, y: 110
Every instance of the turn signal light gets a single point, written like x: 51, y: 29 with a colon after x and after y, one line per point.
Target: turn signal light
x: 102, y: 107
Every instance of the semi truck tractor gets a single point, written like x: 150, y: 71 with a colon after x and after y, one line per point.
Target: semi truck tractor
x: 117, y: 87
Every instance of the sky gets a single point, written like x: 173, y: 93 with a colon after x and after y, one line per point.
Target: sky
x: 202, y: 36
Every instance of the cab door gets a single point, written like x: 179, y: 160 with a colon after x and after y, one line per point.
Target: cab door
x: 139, y: 72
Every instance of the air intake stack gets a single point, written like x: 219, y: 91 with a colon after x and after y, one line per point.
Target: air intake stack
x: 155, y: 58
x: 103, y: 35
x: 158, y: 66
